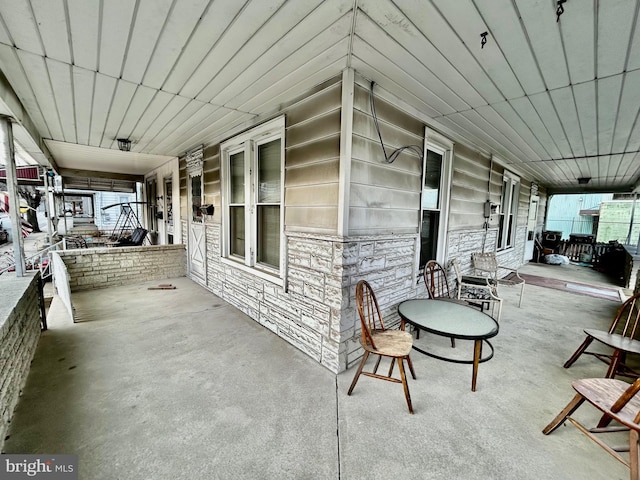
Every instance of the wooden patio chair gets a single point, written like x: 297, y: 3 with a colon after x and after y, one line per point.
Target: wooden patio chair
x: 376, y: 339
x: 617, y: 400
x: 621, y: 337
x: 486, y: 264
x: 477, y: 290
x: 437, y: 284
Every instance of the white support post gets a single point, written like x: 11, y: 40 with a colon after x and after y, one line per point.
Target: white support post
x: 8, y: 158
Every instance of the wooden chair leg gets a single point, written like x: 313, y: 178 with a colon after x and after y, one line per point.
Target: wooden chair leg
x: 410, y: 363
x: 358, y: 372
x: 571, y: 407
x: 393, y: 362
x: 578, y: 352
x: 405, y: 385
x: 614, y: 364
x: 634, y: 452
x: 375, y: 368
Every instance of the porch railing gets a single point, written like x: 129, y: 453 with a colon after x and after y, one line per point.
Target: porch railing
x: 38, y: 261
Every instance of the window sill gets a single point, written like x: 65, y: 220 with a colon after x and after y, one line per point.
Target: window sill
x: 264, y: 275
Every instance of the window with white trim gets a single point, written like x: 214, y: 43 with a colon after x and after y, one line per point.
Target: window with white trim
x: 508, y: 211
x: 434, y: 206
x: 252, y: 174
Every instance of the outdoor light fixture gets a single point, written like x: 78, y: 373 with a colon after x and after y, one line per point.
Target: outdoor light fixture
x: 124, y: 144
x: 584, y: 180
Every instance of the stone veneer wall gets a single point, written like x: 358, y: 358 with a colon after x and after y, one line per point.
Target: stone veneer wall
x: 107, y: 267
x: 316, y: 311
x: 19, y: 333
x: 462, y: 243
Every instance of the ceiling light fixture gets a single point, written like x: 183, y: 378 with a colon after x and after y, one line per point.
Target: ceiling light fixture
x: 124, y: 144
x: 584, y: 180
x: 484, y: 39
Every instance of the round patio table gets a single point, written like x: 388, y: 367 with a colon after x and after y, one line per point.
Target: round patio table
x: 453, y: 320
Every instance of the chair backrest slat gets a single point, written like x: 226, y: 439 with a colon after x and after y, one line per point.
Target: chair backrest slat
x: 627, y: 319
x: 435, y: 280
x: 369, y: 312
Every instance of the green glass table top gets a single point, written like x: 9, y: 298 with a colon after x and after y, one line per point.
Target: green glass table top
x: 450, y: 319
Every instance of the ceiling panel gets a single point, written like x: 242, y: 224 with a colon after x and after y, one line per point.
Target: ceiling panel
x: 162, y: 120
x: 83, y: 84
x: 102, y: 97
x: 138, y: 105
x: 19, y: 21
x: 38, y: 78
x: 292, y: 69
x: 207, y: 34
x: 507, y: 112
x: 439, y: 95
x: 148, y: 25
x: 578, y: 37
x: 543, y: 33
x: 52, y: 19
x: 585, y: 98
x: 565, y: 105
x: 60, y: 76
x: 84, y: 27
x: 615, y: 23
x: 288, y: 17
x: 90, y: 72
x: 117, y: 20
x: 248, y: 21
x: 507, y: 32
x: 308, y: 75
x: 16, y: 76
x: 155, y: 108
x: 408, y: 35
x: 468, y: 24
x: 628, y: 112
x: 362, y: 66
x: 182, y: 21
x: 119, y: 105
x: 436, y: 30
x: 608, y: 100
x: 549, y: 115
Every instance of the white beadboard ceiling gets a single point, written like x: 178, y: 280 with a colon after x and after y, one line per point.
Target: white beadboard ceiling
x: 555, y: 100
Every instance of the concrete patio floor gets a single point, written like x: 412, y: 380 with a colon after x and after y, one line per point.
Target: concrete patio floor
x: 177, y: 384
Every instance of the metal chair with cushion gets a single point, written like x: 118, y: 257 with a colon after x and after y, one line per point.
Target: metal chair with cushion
x: 486, y: 265
x: 377, y: 340
x: 477, y: 290
x: 621, y: 337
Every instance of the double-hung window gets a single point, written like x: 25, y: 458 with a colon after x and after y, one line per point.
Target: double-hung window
x: 434, y: 199
x: 508, y: 211
x: 252, y: 178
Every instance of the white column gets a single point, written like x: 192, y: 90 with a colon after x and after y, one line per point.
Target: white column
x: 8, y: 157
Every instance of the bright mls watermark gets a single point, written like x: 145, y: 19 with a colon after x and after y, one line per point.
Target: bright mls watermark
x: 37, y: 467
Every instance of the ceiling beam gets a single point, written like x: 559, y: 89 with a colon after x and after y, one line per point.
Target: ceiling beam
x: 26, y: 132
x: 77, y: 173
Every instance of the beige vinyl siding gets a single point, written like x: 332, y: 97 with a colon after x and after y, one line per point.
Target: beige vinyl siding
x: 384, y: 197
x: 469, y: 186
x: 312, y: 161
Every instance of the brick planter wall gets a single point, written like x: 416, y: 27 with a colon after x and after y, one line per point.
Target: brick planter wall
x: 107, y: 267
x: 19, y: 334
